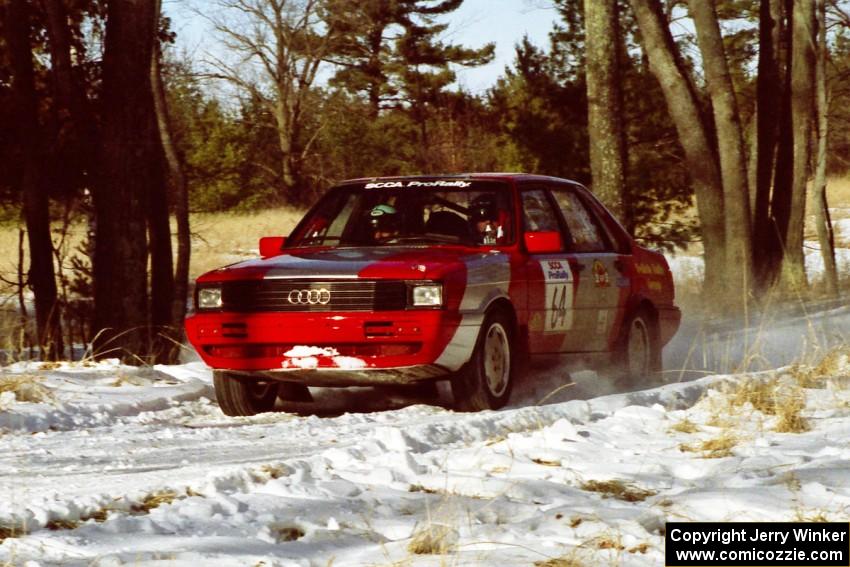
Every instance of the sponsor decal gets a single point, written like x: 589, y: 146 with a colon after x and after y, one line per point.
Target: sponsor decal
x: 398, y: 184
x: 559, y: 296
x: 384, y: 185
x: 557, y: 270
x: 645, y: 269
x: 600, y: 274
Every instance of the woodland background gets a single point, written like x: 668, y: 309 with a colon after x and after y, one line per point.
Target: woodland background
x: 707, y: 123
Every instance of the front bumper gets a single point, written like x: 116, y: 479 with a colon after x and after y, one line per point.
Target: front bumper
x: 392, y: 347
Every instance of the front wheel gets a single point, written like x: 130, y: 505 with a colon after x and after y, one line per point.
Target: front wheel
x: 485, y: 382
x: 243, y: 395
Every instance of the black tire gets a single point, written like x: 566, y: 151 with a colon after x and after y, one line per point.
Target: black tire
x: 637, y: 360
x: 486, y: 381
x: 243, y: 395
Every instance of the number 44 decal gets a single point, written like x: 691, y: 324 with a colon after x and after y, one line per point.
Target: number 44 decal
x: 559, y: 295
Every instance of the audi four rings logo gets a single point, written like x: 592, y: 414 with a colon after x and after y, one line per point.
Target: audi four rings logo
x: 309, y: 296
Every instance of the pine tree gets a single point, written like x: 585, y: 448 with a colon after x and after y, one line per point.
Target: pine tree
x: 391, y: 51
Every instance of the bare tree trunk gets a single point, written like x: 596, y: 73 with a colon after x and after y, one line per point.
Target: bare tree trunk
x: 768, y: 95
x: 780, y: 203
x: 605, y: 106
x: 27, y: 132
x: 129, y: 158
x: 68, y: 148
x: 802, y: 105
x: 820, y: 207
x: 21, y: 286
x: 161, y: 259
x: 752, y: 169
x: 159, y: 228
x: 730, y: 143
x: 690, y: 126
x: 180, y: 192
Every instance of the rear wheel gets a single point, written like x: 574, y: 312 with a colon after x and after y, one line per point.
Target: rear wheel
x: 485, y: 382
x: 243, y: 395
x: 638, y: 358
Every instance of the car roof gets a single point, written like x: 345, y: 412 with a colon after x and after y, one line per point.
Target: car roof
x: 482, y: 176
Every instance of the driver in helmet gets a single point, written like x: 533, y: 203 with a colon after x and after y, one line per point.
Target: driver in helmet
x: 385, y: 222
x: 485, y: 218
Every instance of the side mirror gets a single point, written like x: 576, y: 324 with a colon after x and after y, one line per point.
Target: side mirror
x: 271, y: 245
x: 543, y: 242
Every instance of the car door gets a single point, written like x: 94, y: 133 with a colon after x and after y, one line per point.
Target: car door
x: 600, y: 288
x: 550, y: 279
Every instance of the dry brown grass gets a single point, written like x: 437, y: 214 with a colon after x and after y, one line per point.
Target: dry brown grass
x: 817, y: 516
x: 618, y: 489
x: 433, y: 539
x: 62, y: 524
x: 223, y: 238
x: 154, y: 500
x: 286, y: 532
x: 546, y: 462
x: 715, y: 448
x: 566, y: 561
x: 685, y: 426
x: 98, y: 515
x: 774, y: 397
x: 124, y: 379
x: 11, y: 531
x: 26, y: 388
x: 14, y: 333
x: 274, y: 471
x: 217, y: 239
x: 576, y: 521
x: 832, y: 364
x: 838, y: 192
x: 607, y: 542
x: 423, y: 489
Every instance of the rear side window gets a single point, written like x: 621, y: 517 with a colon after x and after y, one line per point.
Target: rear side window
x: 538, y: 214
x: 584, y: 228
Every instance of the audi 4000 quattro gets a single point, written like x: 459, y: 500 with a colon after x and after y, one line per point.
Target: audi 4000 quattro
x: 407, y: 280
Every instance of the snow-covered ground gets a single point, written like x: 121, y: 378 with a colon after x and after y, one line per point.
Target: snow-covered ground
x: 104, y: 464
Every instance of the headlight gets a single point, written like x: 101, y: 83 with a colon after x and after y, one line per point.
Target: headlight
x: 209, y: 298
x: 427, y: 295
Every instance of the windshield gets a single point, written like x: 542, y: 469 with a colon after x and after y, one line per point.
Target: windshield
x: 409, y: 212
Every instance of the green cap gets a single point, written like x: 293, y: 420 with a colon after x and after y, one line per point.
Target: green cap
x: 383, y: 209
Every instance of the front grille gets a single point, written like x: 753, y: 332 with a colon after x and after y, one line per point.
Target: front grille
x: 275, y: 295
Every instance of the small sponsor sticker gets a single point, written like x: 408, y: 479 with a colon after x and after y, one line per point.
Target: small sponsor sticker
x: 600, y: 274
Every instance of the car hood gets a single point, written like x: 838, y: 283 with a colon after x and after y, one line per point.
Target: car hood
x: 408, y: 263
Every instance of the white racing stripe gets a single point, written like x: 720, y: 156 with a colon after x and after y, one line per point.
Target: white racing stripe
x: 488, y: 277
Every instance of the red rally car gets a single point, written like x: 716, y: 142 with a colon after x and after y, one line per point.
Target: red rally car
x: 405, y: 280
